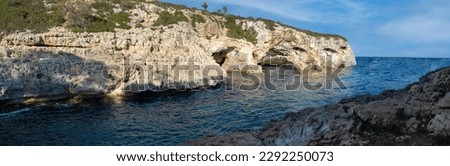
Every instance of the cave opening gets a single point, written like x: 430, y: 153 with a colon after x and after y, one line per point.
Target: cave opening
x: 221, y: 56
x: 330, y: 50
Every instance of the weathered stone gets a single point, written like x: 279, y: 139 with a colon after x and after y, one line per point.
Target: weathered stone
x: 368, y: 120
x: 440, y: 124
x: 412, y: 124
x: 382, y: 113
x: 60, y: 62
x: 444, y: 103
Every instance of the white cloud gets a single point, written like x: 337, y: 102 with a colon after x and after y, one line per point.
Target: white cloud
x: 424, y: 23
x: 317, y: 11
x: 418, y: 29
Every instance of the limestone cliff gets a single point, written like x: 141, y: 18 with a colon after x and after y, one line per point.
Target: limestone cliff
x: 155, y: 55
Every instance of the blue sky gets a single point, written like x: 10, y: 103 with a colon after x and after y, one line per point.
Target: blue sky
x: 381, y: 28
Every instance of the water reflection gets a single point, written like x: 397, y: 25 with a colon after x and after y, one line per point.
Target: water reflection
x: 172, y: 118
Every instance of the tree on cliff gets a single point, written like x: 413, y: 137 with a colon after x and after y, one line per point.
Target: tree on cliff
x: 225, y: 9
x: 205, y: 5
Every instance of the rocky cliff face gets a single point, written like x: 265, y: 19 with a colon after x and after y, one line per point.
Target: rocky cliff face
x: 416, y: 115
x: 188, y: 54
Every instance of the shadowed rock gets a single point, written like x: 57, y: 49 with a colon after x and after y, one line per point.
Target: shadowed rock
x: 416, y: 115
x: 155, y: 56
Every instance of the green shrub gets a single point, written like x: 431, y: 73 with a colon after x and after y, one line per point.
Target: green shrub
x: 139, y: 25
x: 197, y: 19
x: 96, y: 25
x: 103, y: 8
x: 270, y: 25
x: 82, y: 19
x: 165, y: 18
x: 20, y: 15
x: 127, y: 4
x: 101, y: 25
x: 166, y: 5
x: 121, y: 18
x: 236, y: 31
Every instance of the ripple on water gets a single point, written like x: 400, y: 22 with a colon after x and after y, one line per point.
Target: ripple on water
x: 176, y: 118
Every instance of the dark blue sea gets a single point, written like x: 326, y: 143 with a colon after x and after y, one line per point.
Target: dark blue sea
x: 171, y: 118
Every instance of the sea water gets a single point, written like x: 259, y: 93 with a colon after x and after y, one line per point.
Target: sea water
x: 174, y: 118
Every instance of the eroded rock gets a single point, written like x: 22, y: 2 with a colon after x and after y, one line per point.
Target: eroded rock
x: 444, y: 103
x: 416, y: 115
x: 151, y: 57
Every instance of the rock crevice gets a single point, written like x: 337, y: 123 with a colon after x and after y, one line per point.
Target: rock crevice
x: 150, y: 57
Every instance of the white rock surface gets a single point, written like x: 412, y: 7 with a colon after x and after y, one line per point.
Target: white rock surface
x: 60, y: 62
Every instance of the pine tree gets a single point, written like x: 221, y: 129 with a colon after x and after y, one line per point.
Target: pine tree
x: 205, y: 5
x: 225, y: 10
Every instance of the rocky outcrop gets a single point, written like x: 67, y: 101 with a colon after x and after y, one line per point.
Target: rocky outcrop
x: 416, y: 115
x: 184, y: 55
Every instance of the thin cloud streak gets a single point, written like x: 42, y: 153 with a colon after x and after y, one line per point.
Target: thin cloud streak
x: 415, y: 28
x: 277, y: 9
x: 341, y: 11
x: 424, y: 23
x: 419, y: 29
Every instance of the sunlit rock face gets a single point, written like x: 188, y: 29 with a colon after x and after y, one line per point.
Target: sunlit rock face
x: 184, y: 55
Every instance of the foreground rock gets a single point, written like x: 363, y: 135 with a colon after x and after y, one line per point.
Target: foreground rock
x: 155, y: 57
x: 416, y: 115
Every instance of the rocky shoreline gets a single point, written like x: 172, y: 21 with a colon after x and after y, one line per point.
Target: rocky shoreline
x: 416, y: 115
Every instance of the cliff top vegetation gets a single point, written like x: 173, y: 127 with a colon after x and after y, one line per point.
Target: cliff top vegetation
x: 100, y: 16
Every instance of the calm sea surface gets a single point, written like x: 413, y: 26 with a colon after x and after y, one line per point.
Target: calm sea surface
x: 174, y: 118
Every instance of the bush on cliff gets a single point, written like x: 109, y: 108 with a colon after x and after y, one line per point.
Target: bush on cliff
x: 21, y: 15
x: 122, y: 19
x: 39, y: 16
x: 166, y: 5
x: 165, y: 18
x: 127, y: 4
x: 96, y: 17
x: 197, y: 19
x: 236, y: 31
